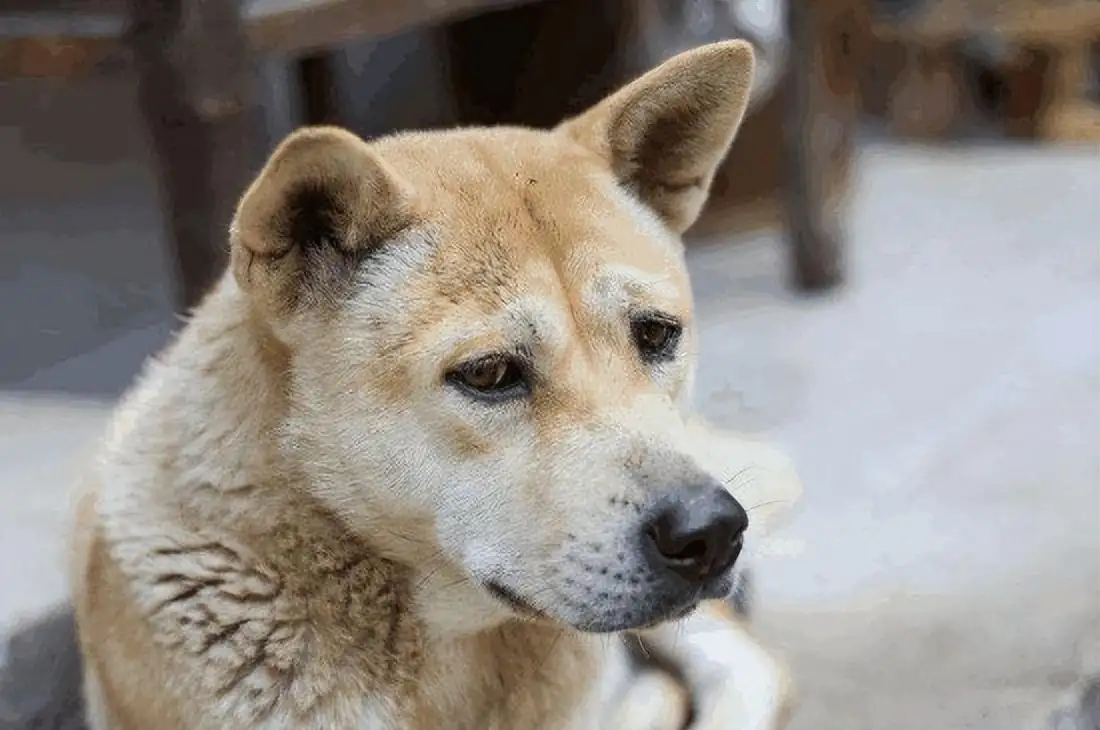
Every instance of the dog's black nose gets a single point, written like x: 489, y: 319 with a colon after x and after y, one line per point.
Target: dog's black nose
x: 699, y: 535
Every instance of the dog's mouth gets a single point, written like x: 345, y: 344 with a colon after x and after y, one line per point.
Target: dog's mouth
x: 674, y: 614
x: 513, y: 600
x: 621, y: 613
x: 644, y: 614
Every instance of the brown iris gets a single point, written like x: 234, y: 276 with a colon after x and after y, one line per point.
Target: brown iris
x: 656, y: 336
x: 495, y: 377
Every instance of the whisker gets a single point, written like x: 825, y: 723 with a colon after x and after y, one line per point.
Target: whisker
x: 767, y: 504
x: 549, y: 652
x: 737, y: 475
x: 434, y: 571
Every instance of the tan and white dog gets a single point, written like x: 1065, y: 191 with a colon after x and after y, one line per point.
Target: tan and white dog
x: 422, y: 458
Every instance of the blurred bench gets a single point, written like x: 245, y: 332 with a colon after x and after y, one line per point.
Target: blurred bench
x: 789, y: 168
x: 196, y: 63
x: 78, y: 34
x: 1046, y: 48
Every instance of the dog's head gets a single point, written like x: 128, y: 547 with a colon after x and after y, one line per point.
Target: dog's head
x: 492, y: 343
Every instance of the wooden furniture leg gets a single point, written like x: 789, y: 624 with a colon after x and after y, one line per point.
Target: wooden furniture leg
x: 317, y: 81
x: 1023, y: 98
x: 550, y: 59
x: 197, y: 92
x: 819, y: 129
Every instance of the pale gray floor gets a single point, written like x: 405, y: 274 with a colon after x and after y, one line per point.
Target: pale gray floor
x: 944, y: 410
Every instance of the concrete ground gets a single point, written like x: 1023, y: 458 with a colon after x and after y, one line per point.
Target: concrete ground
x: 944, y: 568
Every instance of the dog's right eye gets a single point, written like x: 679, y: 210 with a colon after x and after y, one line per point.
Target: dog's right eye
x: 494, y: 378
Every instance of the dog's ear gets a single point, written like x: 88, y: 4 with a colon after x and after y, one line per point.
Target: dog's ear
x: 665, y: 133
x: 322, y: 203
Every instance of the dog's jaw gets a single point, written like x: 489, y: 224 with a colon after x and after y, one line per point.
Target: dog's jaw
x: 599, y: 585
x: 451, y: 605
x: 589, y: 589
x: 609, y: 591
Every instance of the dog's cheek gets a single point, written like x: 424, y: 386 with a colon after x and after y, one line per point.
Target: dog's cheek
x: 489, y: 515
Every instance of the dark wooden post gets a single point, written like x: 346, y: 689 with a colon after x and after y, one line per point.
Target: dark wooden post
x: 319, y: 93
x: 549, y: 60
x: 197, y: 91
x: 819, y: 128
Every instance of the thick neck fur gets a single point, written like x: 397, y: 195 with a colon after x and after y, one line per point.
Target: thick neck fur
x: 193, y: 470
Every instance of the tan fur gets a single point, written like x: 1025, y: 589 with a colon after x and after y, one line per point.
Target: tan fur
x: 293, y: 516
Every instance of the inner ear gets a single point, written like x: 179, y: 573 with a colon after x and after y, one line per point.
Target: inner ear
x: 323, y: 203
x: 314, y: 215
x: 664, y: 134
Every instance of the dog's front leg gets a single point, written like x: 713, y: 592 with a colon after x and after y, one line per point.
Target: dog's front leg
x: 652, y: 700
x: 735, y: 683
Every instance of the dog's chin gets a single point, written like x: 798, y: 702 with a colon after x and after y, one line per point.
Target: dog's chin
x: 630, y: 612
x: 634, y: 619
x: 651, y: 608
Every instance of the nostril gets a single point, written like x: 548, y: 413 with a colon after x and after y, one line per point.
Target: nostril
x: 698, y: 538
x: 678, y: 551
x: 694, y: 550
x: 689, y: 552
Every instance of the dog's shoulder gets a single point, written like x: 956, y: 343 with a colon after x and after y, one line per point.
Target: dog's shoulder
x: 297, y: 623
x: 200, y: 583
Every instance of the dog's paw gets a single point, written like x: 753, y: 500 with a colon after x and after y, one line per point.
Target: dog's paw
x: 757, y: 693
x: 734, y: 683
x: 727, y: 705
x: 654, y: 701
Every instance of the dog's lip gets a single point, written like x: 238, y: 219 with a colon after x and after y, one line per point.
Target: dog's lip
x: 721, y: 587
x: 687, y: 604
x: 512, y: 599
x: 683, y: 612
x: 690, y: 601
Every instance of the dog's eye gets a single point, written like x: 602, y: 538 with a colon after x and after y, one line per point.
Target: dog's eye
x: 656, y: 337
x: 496, y: 377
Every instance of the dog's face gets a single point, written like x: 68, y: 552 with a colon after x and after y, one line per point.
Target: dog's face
x: 491, y: 343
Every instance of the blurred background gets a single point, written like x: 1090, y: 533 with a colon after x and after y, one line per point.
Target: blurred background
x: 898, y: 277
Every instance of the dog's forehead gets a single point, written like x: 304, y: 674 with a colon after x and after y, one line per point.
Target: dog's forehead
x: 515, y: 212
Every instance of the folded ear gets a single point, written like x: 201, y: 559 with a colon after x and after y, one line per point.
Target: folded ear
x: 665, y: 133
x: 322, y: 203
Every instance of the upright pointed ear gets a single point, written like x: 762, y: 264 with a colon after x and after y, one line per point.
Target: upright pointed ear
x: 665, y: 133
x: 322, y: 203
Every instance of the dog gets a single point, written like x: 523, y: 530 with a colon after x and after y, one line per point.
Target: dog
x: 423, y: 457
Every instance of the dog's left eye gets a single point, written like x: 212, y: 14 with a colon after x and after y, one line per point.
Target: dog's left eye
x: 493, y: 378
x: 656, y: 337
